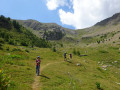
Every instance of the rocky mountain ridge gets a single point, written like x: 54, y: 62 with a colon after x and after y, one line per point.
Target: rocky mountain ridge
x: 50, y: 31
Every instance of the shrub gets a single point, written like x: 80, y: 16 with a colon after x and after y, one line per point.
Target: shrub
x: 54, y: 49
x: 78, y: 53
x: 15, y: 56
x: 103, y: 51
x: 4, y: 81
x: 113, y: 41
x: 11, y: 42
x: 2, y: 40
x: 61, y: 45
x: 98, y: 42
x: 98, y: 86
x: 15, y: 49
x: 1, y: 48
x: 12, y: 84
x: 74, y: 52
x: 27, y: 51
x: 24, y: 44
x: 8, y: 49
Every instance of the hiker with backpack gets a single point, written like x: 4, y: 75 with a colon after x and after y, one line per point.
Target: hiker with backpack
x: 70, y: 56
x: 65, y: 58
x: 38, y: 61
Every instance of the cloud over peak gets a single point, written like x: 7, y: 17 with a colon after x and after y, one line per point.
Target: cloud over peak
x: 85, y: 12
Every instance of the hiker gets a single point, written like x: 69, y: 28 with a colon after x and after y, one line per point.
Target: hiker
x: 38, y: 61
x: 65, y: 56
x: 70, y: 56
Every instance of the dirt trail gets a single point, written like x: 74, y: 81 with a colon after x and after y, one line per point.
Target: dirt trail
x: 36, y: 85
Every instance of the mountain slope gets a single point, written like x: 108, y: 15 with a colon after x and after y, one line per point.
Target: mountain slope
x: 13, y: 33
x: 115, y: 19
x: 50, y: 31
x: 105, y: 31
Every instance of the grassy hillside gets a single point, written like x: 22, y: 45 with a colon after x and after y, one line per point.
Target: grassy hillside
x: 106, y: 31
x: 13, y: 33
x: 99, y: 69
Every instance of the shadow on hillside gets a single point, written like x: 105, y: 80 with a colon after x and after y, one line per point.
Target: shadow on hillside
x: 83, y: 55
x: 69, y: 61
x: 45, y: 76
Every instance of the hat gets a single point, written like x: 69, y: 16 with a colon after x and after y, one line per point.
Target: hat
x: 38, y: 57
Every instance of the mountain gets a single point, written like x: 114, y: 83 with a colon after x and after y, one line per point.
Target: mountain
x: 49, y: 31
x: 115, y: 19
x: 105, y: 31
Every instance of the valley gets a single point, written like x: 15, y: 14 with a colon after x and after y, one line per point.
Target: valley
x: 95, y: 64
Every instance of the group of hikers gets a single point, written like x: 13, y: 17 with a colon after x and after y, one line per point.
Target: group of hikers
x: 38, y: 61
x: 65, y: 56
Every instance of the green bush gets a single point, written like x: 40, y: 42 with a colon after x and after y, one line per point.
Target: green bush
x: 4, y: 81
x: 2, y: 40
x: 54, y: 49
x: 98, y: 41
x: 61, y: 45
x: 78, y: 53
x: 1, y: 48
x: 113, y: 41
x: 11, y: 42
x: 24, y: 44
x: 7, y: 48
x: 103, y: 51
x: 15, y: 49
x: 98, y: 86
x: 74, y: 52
x: 15, y: 56
x: 27, y: 51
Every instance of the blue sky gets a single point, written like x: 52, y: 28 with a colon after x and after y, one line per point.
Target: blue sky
x: 30, y: 9
x: 74, y: 14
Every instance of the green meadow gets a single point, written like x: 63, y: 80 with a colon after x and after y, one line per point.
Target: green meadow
x: 94, y: 68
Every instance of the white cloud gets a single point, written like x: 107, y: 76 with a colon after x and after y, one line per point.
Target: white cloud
x: 86, y: 12
x: 53, y: 4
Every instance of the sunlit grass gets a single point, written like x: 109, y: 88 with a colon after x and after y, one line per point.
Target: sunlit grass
x: 80, y: 73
